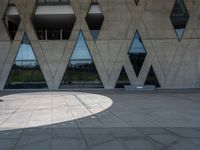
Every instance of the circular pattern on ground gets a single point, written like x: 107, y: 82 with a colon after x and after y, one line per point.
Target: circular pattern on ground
x: 49, y: 108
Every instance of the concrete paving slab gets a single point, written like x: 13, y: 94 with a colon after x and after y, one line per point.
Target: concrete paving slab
x: 99, y: 120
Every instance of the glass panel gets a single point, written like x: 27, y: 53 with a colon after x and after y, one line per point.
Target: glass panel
x: 25, y: 73
x: 151, y: 78
x: 53, y: 35
x: 94, y: 20
x: 122, y: 80
x: 179, y: 17
x: 81, y: 51
x: 137, y: 61
x: 81, y: 71
x: 137, y: 53
x: 52, y: 1
x: 94, y: 33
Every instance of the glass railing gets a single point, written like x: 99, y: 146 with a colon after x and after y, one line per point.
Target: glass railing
x: 53, y: 34
x: 41, y: 35
x: 53, y: 2
x: 48, y: 34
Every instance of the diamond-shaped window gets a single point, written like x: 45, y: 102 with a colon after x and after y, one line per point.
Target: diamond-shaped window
x: 12, y: 20
x: 179, y: 17
x: 54, y: 20
x: 136, y: 2
x: 137, y: 53
x: 52, y: 2
x: 94, y: 19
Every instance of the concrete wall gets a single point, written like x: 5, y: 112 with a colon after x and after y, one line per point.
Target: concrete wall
x: 176, y: 63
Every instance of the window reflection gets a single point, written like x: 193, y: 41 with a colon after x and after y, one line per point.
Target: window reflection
x: 137, y: 53
x: 81, y: 51
x: 52, y: 1
x: 151, y: 78
x: 94, y: 33
x: 81, y: 71
x: 25, y: 56
x: 25, y: 72
x: 122, y: 80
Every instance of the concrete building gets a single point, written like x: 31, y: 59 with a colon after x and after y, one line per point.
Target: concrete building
x: 99, y: 44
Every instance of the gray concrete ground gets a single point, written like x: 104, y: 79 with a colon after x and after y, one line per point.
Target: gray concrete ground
x: 100, y: 120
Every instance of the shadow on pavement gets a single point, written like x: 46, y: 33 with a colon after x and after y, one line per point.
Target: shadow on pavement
x: 116, y: 128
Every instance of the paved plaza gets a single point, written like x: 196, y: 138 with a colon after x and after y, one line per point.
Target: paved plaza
x: 100, y: 120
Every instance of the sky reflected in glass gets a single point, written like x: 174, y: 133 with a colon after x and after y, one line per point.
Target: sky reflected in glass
x: 81, y: 51
x: 25, y: 55
x: 137, y: 45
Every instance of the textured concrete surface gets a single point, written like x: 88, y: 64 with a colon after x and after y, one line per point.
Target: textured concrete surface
x: 100, y: 120
x: 176, y: 63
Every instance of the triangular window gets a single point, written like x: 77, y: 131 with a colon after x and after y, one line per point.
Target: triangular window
x: 151, y: 78
x: 25, y: 72
x: 122, y: 80
x: 81, y: 71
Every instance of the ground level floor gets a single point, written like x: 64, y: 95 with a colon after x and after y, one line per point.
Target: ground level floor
x: 100, y: 120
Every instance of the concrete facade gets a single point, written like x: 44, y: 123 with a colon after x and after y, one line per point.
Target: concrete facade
x: 176, y: 63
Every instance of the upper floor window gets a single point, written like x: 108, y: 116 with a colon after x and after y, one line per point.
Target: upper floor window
x: 44, y: 2
x: 54, y: 22
x: 11, y: 19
